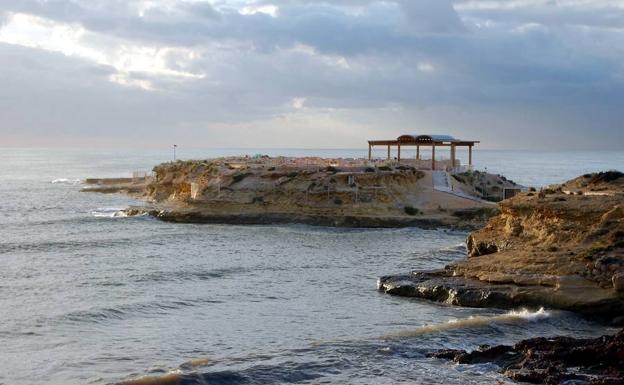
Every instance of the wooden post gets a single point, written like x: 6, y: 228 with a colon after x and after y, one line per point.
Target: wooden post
x: 370, y: 152
x: 417, y: 152
x: 399, y: 152
x: 388, y: 152
x: 452, y: 156
x: 470, y: 156
x: 433, y: 156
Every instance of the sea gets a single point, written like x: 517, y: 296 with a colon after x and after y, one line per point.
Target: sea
x: 88, y: 296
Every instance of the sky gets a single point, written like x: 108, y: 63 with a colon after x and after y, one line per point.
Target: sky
x: 523, y: 74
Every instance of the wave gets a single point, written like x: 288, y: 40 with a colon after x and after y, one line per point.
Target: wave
x: 65, y: 245
x: 185, y: 275
x: 100, y: 315
x: 66, y: 181
x: 473, y: 322
x: 269, y: 374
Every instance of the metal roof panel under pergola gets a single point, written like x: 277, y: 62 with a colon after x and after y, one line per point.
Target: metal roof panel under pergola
x: 423, y: 141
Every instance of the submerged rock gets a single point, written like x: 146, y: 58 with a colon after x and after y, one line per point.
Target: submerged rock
x: 558, y: 360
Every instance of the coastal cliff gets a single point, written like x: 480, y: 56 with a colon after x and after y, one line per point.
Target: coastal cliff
x: 311, y: 191
x: 561, y: 247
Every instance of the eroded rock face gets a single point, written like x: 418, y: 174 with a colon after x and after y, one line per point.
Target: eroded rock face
x: 556, y: 360
x: 554, y: 249
x: 558, y: 232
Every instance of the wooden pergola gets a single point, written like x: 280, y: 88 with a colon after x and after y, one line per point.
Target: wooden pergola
x: 418, y: 141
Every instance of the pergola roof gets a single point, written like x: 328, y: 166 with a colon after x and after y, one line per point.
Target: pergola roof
x: 424, y: 140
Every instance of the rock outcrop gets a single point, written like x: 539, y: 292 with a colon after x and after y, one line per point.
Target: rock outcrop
x: 558, y: 360
x: 561, y: 247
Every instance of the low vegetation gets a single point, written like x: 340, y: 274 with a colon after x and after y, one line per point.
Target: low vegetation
x: 409, y: 210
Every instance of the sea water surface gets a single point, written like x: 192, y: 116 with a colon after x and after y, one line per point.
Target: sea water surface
x: 89, y: 297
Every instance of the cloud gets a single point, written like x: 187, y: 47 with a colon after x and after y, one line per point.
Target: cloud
x: 432, y: 16
x: 489, y: 70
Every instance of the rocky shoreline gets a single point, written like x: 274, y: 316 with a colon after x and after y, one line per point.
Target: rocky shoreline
x: 562, y: 248
x: 269, y: 218
x: 567, y: 294
x: 558, y: 360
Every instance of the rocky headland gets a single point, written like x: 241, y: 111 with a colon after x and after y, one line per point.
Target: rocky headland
x: 351, y: 193
x: 560, y: 247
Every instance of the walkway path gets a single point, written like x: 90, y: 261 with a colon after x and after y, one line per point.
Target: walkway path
x: 442, y: 182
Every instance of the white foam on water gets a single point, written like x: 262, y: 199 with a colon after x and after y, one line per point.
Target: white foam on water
x: 109, y: 212
x: 66, y: 181
x: 458, y: 247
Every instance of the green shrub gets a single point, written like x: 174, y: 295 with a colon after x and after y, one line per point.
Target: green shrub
x: 331, y: 169
x: 293, y: 174
x: 479, y: 213
x: 606, y: 176
x: 384, y: 168
x: 369, y: 169
x: 338, y: 201
x: 239, y: 177
x: 409, y: 210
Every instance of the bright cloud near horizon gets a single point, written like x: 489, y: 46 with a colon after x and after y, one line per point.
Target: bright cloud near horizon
x: 311, y: 74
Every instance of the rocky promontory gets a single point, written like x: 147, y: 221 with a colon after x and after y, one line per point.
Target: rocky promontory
x: 560, y: 247
x: 331, y: 192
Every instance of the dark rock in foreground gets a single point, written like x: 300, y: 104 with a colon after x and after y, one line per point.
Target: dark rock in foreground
x: 559, y: 360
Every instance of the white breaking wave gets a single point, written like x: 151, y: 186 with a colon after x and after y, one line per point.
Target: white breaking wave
x: 66, y: 181
x: 109, y: 212
x: 522, y: 315
x: 458, y: 247
x: 529, y: 315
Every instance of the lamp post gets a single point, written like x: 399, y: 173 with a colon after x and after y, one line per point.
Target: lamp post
x: 174, y: 152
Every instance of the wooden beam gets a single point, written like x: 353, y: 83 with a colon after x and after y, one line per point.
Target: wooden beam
x: 470, y: 156
x: 388, y: 152
x: 370, y: 151
x: 433, y: 157
x: 417, y: 152
x: 399, y: 152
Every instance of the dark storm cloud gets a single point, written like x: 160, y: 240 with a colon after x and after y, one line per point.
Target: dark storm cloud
x: 226, y: 64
